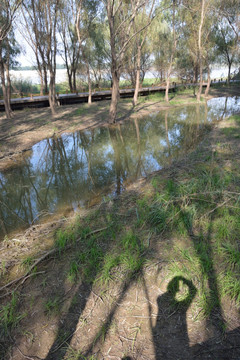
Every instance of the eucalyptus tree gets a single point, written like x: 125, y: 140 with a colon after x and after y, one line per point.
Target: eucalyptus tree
x: 86, y: 11
x: 70, y: 47
x: 160, y: 47
x: 8, y: 11
x: 8, y: 53
x: 197, y: 19
x: 228, y: 32
x: 145, y: 17
x: 32, y: 35
x: 100, y: 54
x: 230, y: 10
x: 41, y: 18
x: 173, y: 44
x: 130, y: 61
x: 121, y: 16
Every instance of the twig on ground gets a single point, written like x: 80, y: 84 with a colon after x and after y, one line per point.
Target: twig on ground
x: 46, y: 255
x: 29, y: 357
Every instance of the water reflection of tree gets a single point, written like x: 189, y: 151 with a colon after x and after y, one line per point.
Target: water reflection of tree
x: 74, y: 168
x: 117, y: 159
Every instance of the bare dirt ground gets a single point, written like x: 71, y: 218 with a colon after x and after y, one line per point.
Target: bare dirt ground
x: 134, y: 318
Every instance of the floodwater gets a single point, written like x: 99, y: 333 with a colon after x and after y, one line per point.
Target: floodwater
x: 79, y: 169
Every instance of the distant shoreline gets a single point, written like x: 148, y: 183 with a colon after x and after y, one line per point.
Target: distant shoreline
x: 34, y: 68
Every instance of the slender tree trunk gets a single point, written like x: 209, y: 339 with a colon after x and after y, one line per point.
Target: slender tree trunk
x: 195, y: 78
x: 135, y: 97
x: 209, y: 82
x: 172, y: 56
x: 9, y: 92
x: 45, y: 80
x: 52, y: 93
x: 168, y: 79
x: 200, y: 51
x: 114, y: 68
x: 4, y: 89
x: 70, y: 81
x: 89, y: 85
x: 200, y: 80
x: 229, y: 72
x: 74, y: 80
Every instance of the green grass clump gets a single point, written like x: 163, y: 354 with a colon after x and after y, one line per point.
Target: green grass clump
x: 73, y: 354
x: 52, y: 306
x: 86, y: 263
x: 230, y: 285
x: 70, y: 235
x: 126, y: 259
x: 63, y: 237
x: 9, y: 315
x: 231, y: 132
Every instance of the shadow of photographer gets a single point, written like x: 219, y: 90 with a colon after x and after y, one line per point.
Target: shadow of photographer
x: 170, y: 334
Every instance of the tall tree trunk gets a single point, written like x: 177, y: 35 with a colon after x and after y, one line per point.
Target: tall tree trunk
x: 70, y: 81
x: 229, y: 72
x: 74, y: 80
x: 114, y: 67
x: 45, y: 80
x: 172, y: 55
x: 135, y: 97
x: 200, y: 80
x: 168, y: 79
x: 52, y: 93
x: 4, y: 89
x: 8, y: 87
x: 200, y: 51
x: 209, y: 81
x: 89, y: 85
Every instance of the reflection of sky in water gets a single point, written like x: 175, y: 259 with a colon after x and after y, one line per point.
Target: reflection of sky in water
x: 217, y: 105
x: 70, y: 171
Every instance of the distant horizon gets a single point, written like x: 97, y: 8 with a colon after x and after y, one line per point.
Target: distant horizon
x: 22, y: 73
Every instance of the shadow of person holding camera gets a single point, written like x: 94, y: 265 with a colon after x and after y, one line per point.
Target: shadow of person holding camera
x: 170, y: 335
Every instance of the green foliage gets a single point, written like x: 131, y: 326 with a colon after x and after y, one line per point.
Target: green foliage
x: 9, y: 316
x: 230, y: 285
x: 27, y: 262
x: 25, y: 87
x: 52, y: 306
x: 127, y: 258
x: 73, y: 354
x: 64, y: 237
